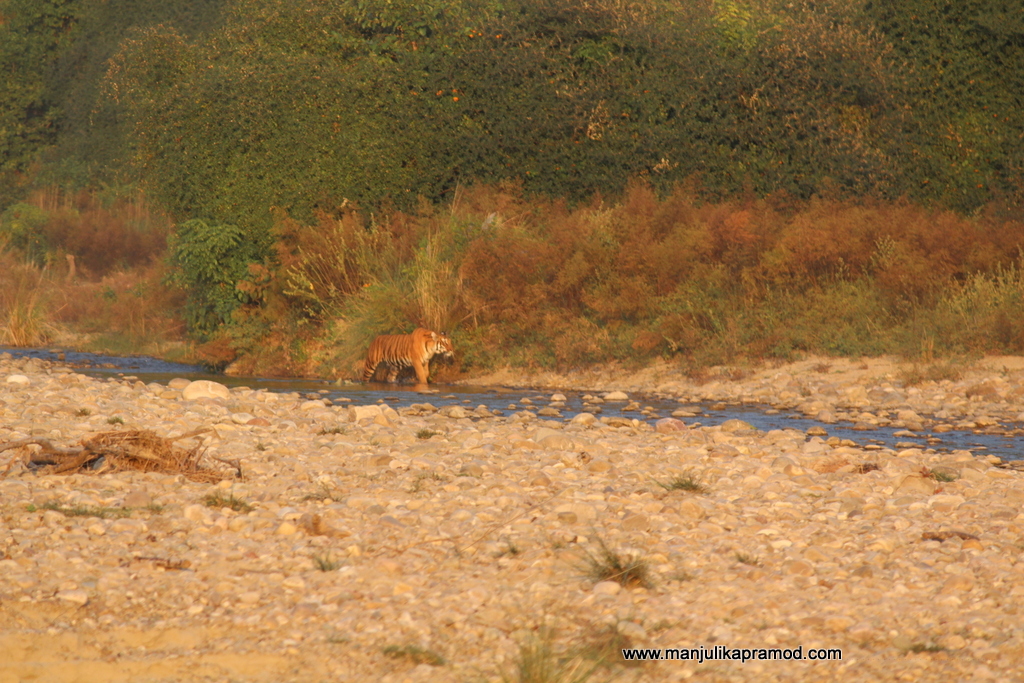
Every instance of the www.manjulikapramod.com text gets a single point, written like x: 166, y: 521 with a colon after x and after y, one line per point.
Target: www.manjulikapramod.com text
x: 733, y: 654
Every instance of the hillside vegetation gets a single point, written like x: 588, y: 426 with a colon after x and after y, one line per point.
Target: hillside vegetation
x: 555, y: 182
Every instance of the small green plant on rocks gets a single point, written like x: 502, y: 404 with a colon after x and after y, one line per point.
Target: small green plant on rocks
x: 918, y: 648
x: 744, y: 558
x: 607, y: 565
x: 115, y: 420
x: 325, y: 563
x: 84, y: 510
x: 414, y: 654
x: 418, y: 483
x: 323, y: 492
x: 941, y: 476
x: 218, y: 500
x: 327, y: 431
x: 684, y: 482
x: 680, y: 575
x: 426, y: 433
x: 511, y: 550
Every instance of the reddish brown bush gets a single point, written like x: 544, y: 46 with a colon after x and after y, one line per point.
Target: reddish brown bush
x: 103, y: 236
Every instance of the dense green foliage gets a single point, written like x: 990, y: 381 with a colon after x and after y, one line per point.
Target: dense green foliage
x: 241, y: 116
x: 966, y: 64
x: 56, y: 125
x: 215, y: 266
x: 32, y: 33
x: 231, y: 107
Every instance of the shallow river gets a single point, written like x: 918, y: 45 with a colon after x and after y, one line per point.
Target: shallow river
x: 508, y: 400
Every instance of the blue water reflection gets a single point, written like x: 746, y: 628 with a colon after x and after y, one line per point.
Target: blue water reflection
x: 507, y: 400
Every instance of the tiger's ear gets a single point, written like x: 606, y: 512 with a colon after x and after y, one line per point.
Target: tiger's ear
x: 433, y: 335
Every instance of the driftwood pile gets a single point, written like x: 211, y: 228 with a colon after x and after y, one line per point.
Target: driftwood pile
x: 138, y: 450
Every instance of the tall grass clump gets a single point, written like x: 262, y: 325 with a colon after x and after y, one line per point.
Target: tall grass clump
x: 25, y: 296
x: 984, y: 313
x: 355, y: 279
x: 89, y: 263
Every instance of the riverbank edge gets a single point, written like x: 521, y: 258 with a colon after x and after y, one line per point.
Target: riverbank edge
x: 986, y: 394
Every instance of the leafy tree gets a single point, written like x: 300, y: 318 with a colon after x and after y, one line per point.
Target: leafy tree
x: 32, y: 32
x: 967, y: 64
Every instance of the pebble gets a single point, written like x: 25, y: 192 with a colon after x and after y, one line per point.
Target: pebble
x: 463, y: 543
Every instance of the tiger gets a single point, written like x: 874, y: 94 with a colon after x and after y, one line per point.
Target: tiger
x: 398, y: 351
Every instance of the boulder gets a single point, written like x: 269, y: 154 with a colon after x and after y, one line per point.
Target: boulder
x: 585, y: 419
x: 204, y: 388
x: 736, y: 426
x: 669, y: 425
x: 453, y: 412
x: 357, y: 413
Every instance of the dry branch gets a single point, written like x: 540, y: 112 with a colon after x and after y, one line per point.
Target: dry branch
x: 138, y: 450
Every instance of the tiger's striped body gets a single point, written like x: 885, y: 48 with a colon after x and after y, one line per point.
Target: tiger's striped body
x: 398, y: 351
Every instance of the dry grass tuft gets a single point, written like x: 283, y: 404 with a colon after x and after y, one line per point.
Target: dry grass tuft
x: 24, y: 303
x: 607, y: 565
x: 935, y: 372
x: 538, y: 661
x: 685, y: 482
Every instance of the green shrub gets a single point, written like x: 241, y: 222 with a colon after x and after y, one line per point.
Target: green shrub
x: 21, y: 227
x: 215, y: 265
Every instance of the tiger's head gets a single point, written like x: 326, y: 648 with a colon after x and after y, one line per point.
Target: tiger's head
x: 441, y: 345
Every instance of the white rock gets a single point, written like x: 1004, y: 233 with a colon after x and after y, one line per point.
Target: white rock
x: 453, y: 412
x: 585, y: 419
x: 295, y: 583
x: 204, y: 388
x: 357, y: 413
x: 78, y: 597
x: 607, y: 587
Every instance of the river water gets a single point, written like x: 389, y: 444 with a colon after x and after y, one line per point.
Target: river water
x: 509, y: 399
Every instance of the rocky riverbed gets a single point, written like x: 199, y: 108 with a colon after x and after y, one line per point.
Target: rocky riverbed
x: 435, y: 543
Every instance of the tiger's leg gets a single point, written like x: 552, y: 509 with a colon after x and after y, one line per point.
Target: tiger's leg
x: 393, y: 373
x: 369, y: 368
x: 421, y: 372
